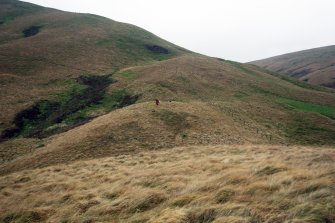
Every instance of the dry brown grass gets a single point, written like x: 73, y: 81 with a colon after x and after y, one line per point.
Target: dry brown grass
x: 203, y: 111
x: 133, y: 129
x: 202, y: 78
x: 185, y: 184
x: 192, y: 177
x: 19, y: 147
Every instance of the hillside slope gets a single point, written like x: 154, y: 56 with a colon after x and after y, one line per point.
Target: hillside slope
x: 316, y: 66
x: 41, y: 48
x: 84, y: 141
x: 84, y: 115
x: 203, y: 101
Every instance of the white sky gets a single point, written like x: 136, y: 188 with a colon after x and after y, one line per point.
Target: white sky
x: 240, y: 30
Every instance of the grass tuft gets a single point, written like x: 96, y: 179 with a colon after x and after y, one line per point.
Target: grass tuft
x: 269, y: 170
x: 147, y: 202
x: 224, y: 195
x: 201, y: 215
x: 22, y: 217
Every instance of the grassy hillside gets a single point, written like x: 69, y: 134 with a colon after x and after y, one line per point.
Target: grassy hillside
x: 204, y: 101
x: 83, y: 140
x: 315, y: 66
x: 53, y: 79
x: 182, y: 185
x: 261, y: 102
x: 41, y: 48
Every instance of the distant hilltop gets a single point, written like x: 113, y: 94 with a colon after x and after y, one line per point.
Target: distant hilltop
x: 315, y: 66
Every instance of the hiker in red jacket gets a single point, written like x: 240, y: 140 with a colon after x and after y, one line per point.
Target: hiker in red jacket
x: 157, y: 102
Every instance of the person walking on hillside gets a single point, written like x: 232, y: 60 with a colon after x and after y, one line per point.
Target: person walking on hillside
x: 157, y: 101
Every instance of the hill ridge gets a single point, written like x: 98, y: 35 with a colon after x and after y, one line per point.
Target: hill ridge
x: 315, y: 66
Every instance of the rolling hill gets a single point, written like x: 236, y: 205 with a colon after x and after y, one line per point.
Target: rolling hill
x: 315, y: 66
x: 68, y: 113
x: 204, y: 101
x: 41, y: 48
x: 83, y: 141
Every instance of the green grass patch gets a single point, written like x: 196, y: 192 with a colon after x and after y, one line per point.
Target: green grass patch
x: 7, y: 18
x: 84, y: 96
x: 117, y: 99
x: 306, y: 125
x: 324, y: 110
x: 73, y: 88
x: 18, y: 9
x: 240, y: 94
x: 135, y: 48
x: 303, y: 84
x: 306, y: 130
x: 264, y: 92
x: 130, y: 75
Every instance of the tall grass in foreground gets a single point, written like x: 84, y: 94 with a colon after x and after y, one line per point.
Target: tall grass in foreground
x: 187, y: 184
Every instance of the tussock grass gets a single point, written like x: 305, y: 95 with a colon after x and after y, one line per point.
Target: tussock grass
x: 184, y: 184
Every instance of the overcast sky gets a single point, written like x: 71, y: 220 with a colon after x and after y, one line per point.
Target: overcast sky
x: 240, y: 30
